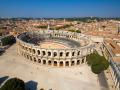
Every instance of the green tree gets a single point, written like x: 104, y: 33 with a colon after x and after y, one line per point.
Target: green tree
x: 98, y: 63
x: 72, y: 30
x: 14, y: 84
x: 78, y: 31
x: 43, y: 27
x: 8, y: 40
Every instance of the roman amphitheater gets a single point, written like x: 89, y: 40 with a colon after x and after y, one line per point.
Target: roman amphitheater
x: 55, y: 48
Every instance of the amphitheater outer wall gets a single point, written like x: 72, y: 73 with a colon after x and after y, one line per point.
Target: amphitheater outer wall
x: 56, y: 57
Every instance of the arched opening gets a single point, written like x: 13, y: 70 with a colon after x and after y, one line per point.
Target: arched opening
x: 25, y: 48
x: 49, y: 53
x: 55, y: 63
x: 82, y: 60
x: 49, y: 62
x: 38, y: 51
x: 31, y: 58
x: 43, y: 52
x: 55, y: 54
x: 61, y: 63
x: 78, y: 62
x: 24, y: 55
x: 34, y: 51
x: 67, y: 63
x: 73, y: 53
x: 34, y: 59
x: 61, y: 54
x: 27, y: 56
x: 29, y: 50
x: 44, y: 61
x: 67, y: 54
x: 39, y: 60
x: 72, y: 63
x: 78, y: 53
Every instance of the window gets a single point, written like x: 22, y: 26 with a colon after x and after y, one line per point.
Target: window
x: 78, y: 52
x: 73, y: 53
x: 34, y: 51
x: 39, y: 61
x: 61, y: 54
x: 67, y: 54
x: 43, y: 52
x: 49, y: 53
x: 38, y: 52
x: 55, y: 54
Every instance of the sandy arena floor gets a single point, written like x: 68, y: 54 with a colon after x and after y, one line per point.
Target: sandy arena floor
x: 52, y: 45
x: 74, y: 78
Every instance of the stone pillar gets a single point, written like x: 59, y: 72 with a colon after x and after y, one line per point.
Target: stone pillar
x: 85, y: 60
x: 69, y: 63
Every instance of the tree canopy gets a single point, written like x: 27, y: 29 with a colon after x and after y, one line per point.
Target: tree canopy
x: 8, y: 40
x: 98, y: 63
x: 73, y: 30
x: 14, y: 84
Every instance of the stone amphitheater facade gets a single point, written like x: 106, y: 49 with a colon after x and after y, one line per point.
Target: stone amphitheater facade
x: 73, y: 56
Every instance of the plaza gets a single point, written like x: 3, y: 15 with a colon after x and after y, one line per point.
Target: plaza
x: 67, y: 78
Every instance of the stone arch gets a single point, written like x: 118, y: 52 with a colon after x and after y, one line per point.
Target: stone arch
x: 39, y: 60
x: 55, y: 63
x: 44, y: 61
x: 26, y: 48
x: 61, y: 54
x: 55, y: 54
x: 67, y: 63
x: 78, y: 53
x: 31, y: 58
x: 43, y: 53
x: 83, y: 60
x: 78, y: 62
x: 30, y: 50
x: 49, y: 53
x: 67, y: 54
x: 49, y: 62
x: 61, y: 63
x: 33, y: 51
x: 38, y: 51
x: 22, y: 53
x: 72, y: 63
x: 35, y: 59
x: 27, y: 56
x: 73, y: 53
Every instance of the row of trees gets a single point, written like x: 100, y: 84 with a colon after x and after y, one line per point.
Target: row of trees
x: 73, y: 30
x: 61, y: 27
x: 87, y: 19
x: 98, y: 63
x: 43, y: 27
x: 8, y: 40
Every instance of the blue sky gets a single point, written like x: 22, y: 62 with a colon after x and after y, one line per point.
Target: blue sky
x: 59, y: 8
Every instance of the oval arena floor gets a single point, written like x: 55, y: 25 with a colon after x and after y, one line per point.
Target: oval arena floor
x: 52, y: 45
